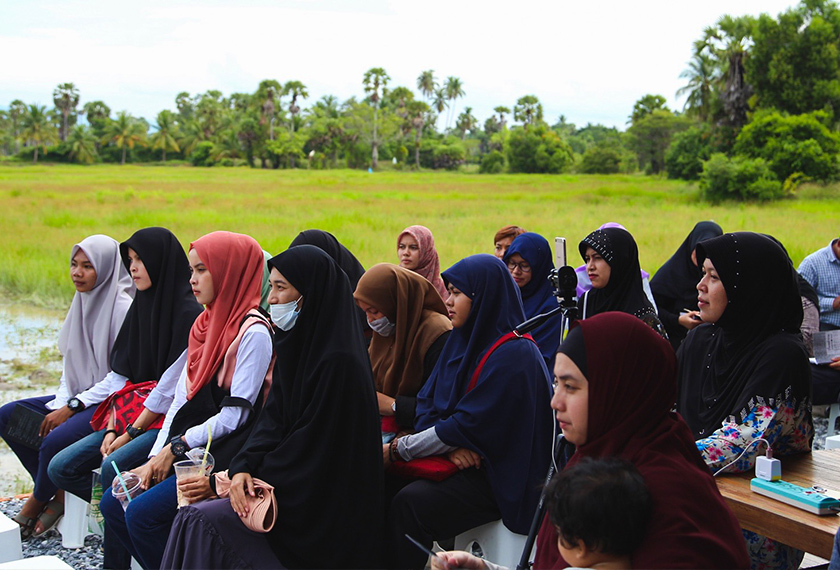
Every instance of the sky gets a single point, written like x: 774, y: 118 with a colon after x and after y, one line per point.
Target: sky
x: 587, y: 60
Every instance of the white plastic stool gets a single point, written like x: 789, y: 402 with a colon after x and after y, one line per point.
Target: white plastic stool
x: 833, y: 414
x: 37, y: 563
x: 9, y: 539
x: 496, y: 543
x: 73, y: 526
x: 832, y: 442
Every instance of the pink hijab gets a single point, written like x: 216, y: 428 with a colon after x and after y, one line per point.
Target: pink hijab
x: 429, y: 265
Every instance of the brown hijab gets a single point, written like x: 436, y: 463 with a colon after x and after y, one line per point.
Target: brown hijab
x: 415, y: 307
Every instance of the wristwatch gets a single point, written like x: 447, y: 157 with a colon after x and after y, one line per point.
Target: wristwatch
x: 75, y: 405
x: 134, y: 431
x: 178, y: 447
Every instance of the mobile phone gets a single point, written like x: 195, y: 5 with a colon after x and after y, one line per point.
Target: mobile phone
x: 560, y: 251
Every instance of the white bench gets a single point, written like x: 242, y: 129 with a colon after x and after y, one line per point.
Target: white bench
x: 496, y: 543
x: 9, y: 539
x: 37, y: 563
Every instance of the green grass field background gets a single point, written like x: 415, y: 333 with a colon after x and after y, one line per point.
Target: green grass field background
x: 47, y: 208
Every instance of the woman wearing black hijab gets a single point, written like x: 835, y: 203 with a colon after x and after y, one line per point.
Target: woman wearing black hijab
x: 744, y: 372
x: 674, y: 286
x: 612, y: 265
x: 317, y: 441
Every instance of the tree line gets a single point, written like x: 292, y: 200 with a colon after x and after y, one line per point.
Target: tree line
x: 760, y: 117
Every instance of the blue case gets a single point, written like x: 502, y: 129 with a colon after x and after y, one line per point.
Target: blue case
x: 794, y: 495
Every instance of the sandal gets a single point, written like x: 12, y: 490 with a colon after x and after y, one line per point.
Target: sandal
x: 27, y: 525
x: 49, y: 516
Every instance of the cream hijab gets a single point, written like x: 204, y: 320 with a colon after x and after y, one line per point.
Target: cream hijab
x: 95, y: 317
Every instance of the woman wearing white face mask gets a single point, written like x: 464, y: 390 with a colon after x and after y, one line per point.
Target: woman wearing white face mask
x: 411, y: 325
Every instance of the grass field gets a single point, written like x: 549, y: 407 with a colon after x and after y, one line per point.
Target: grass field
x: 48, y: 208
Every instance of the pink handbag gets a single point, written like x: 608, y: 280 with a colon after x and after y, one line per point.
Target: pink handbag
x: 262, y: 511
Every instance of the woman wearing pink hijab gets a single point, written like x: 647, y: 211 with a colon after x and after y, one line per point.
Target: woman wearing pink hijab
x: 416, y: 251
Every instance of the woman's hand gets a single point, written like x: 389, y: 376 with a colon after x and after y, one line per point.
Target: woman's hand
x: 195, y: 489
x: 240, y: 486
x: 464, y: 458
x: 690, y: 319
x: 53, y: 420
x: 158, y: 468
x: 106, y: 443
x: 386, y: 455
x: 117, y: 443
x: 145, y: 474
x: 457, y: 559
x: 385, y: 403
x: 835, y: 363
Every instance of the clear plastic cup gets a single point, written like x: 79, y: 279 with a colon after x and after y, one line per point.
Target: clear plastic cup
x: 183, y: 470
x: 132, y: 482
x: 197, y: 454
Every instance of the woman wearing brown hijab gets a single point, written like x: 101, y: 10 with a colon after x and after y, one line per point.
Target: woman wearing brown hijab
x: 411, y: 325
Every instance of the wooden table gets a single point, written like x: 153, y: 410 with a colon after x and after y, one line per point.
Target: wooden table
x: 784, y: 523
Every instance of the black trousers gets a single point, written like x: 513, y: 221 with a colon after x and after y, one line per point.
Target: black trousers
x: 429, y: 511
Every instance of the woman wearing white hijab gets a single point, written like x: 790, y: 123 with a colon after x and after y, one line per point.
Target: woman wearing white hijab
x: 104, y: 292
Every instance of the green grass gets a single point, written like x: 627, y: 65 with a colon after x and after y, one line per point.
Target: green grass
x: 48, y: 208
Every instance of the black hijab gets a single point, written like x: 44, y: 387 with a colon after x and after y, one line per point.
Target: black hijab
x: 157, y: 326
x: 678, y: 277
x: 318, y: 441
x: 624, y: 290
x: 342, y: 256
x: 753, y: 353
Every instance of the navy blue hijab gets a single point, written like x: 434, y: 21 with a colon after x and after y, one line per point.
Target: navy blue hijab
x: 506, y: 418
x: 537, y: 295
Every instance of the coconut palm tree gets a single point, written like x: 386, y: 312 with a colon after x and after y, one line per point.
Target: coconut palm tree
x: 427, y: 84
x: 702, y: 74
x: 125, y: 132
x: 17, y: 109
x: 416, y: 112
x: 295, y: 89
x: 66, y: 98
x: 166, y: 135
x: 466, y: 122
x: 269, y: 92
x: 374, y: 80
x: 82, y: 145
x: 37, y: 129
x: 454, y: 89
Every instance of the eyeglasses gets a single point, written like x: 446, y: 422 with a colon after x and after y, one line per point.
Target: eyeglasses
x: 523, y: 266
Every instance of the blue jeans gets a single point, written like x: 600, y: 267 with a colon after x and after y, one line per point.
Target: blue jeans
x: 834, y: 563
x: 71, y: 468
x: 143, y: 528
x: 37, y: 461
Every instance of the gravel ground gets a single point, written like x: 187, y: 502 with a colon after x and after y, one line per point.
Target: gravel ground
x: 91, y: 555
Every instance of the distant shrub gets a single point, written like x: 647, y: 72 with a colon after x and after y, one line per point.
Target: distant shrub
x: 684, y: 158
x: 538, y: 149
x: 738, y: 178
x: 449, y: 154
x: 201, y: 155
x: 603, y: 158
x: 492, y: 163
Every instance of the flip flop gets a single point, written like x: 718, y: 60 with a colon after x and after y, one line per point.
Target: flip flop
x: 49, y: 516
x: 27, y: 525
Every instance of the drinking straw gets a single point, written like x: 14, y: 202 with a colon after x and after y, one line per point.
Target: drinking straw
x: 207, y: 449
x: 122, y: 481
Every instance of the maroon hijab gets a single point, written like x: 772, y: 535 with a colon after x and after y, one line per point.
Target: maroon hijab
x: 632, y: 385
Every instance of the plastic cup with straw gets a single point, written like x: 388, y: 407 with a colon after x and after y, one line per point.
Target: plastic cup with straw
x: 207, y: 449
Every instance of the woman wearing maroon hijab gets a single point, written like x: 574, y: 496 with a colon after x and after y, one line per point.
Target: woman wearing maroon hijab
x: 615, y: 386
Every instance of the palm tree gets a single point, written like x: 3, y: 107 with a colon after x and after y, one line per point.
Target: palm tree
x: 701, y: 75
x: 502, y: 111
x: 82, y: 145
x: 66, y: 98
x: 165, y: 138
x: 17, y: 109
x: 416, y: 111
x: 427, y: 84
x: 191, y: 134
x: 269, y: 93
x: 125, y: 132
x: 466, y: 122
x: 295, y: 89
x: 528, y: 110
x: 439, y: 103
x: 454, y: 90
x: 36, y: 129
x: 375, y: 79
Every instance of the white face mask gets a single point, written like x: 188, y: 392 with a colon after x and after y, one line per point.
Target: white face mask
x: 284, y: 315
x: 382, y: 326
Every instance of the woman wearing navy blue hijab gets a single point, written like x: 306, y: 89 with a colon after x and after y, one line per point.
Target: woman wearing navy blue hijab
x: 529, y: 261
x: 498, y: 434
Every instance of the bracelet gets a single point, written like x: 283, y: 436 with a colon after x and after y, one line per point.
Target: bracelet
x: 392, y: 450
x: 107, y: 431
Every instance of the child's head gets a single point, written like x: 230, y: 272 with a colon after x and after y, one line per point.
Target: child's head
x: 601, y: 508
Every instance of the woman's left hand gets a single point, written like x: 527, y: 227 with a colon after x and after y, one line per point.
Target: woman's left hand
x: 464, y: 458
x: 195, y: 489
x: 386, y: 455
x: 160, y: 465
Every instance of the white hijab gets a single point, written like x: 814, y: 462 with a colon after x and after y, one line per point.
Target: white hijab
x: 95, y: 317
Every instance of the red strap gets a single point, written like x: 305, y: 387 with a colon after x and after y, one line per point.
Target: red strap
x: 503, y: 339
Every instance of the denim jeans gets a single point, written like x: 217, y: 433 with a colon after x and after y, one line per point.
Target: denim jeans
x: 36, y: 460
x: 70, y: 469
x: 143, y: 528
